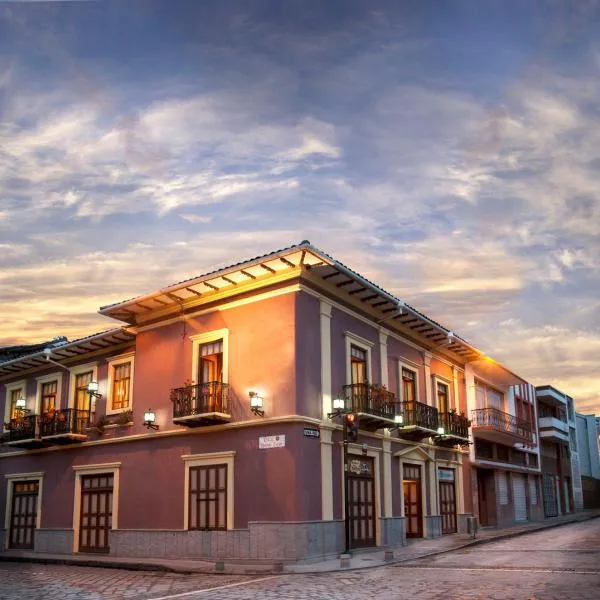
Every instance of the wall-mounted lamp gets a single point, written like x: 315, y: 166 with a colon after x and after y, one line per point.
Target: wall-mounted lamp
x: 150, y: 419
x: 339, y: 408
x: 92, y: 389
x: 21, y: 405
x: 256, y: 404
x: 440, y: 430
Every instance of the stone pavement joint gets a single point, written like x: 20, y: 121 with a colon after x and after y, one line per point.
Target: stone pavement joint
x: 360, y: 560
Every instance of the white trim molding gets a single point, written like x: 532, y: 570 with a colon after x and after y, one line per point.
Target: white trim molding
x: 78, y: 370
x: 113, y: 362
x: 55, y: 376
x: 9, y: 388
x: 204, y: 338
x: 350, y: 340
x: 203, y: 460
x: 97, y: 469
x: 16, y: 477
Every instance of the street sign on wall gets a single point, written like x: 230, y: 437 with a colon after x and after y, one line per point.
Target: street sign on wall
x: 271, y: 441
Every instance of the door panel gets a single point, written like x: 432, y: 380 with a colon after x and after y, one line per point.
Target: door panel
x: 96, y: 512
x: 519, y: 497
x: 448, y: 506
x: 413, y: 509
x: 23, y: 515
x: 361, y: 505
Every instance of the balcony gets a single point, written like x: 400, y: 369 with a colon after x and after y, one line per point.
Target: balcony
x: 418, y: 420
x: 22, y: 432
x: 456, y: 429
x: 375, y: 405
x: 553, y: 429
x: 201, y: 404
x: 495, y: 425
x: 66, y: 426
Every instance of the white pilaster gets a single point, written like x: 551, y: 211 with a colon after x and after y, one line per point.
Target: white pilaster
x: 326, y: 473
x: 325, y: 321
x: 455, y: 388
x: 427, y: 369
x: 387, y: 477
x: 383, y: 358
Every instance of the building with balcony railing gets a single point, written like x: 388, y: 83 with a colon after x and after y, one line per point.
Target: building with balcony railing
x: 220, y: 402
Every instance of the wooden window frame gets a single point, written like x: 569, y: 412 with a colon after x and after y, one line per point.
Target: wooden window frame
x: 204, y: 338
x: 96, y: 469
x: 10, y: 478
x: 413, y: 368
x: 352, y: 339
x: 9, y: 389
x: 448, y: 383
x: 56, y: 376
x: 207, y: 460
x: 112, y: 363
x: 208, y: 490
x: 79, y: 370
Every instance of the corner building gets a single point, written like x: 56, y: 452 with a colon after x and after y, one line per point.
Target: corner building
x: 240, y: 456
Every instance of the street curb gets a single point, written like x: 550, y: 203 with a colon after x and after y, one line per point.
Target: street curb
x: 162, y: 568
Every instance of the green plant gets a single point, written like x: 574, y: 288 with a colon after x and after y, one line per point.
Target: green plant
x: 100, y: 423
x: 125, y: 417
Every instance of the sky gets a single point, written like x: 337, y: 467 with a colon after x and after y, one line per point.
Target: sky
x: 447, y: 150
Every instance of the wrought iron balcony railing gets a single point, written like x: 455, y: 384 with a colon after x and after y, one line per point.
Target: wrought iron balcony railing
x: 419, y: 415
x: 500, y: 421
x: 454, y: 425
x: 64, y: 422
x: 371, y: 399
x: 22, y: 428
x: 200, y: 399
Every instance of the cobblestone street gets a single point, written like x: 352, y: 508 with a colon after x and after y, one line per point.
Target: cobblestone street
x: 556, y: 564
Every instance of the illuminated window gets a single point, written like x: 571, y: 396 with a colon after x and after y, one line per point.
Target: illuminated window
x: 409, y: 385
x: 14, y: 396
x: 443, y: 402
x: 358, y: 362
x: 121, y: 385
x: 210, y: 364
x: 48, y: 396
x: 82, y: 398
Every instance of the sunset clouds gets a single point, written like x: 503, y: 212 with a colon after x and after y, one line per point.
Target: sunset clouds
x: 451, y: 156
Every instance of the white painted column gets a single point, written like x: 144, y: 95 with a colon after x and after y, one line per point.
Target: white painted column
x: 387, y: 477
x: 326, y: 472
x: 383, y: 358
x: 460, y: 491
x: 433, y: 488
x: 455, y: 388
x: 427, y: 368
x: 325, y: 320
x: 326, y: 408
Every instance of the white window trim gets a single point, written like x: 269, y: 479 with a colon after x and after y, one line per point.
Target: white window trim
x: 112, y: 468
x: 78, y: 370
x: 204, y: 338
x: 402, y: 364
x: 11, y: 387
x: 112, y: 363
x: 205, y: 460
x: 56, y: 376
x: 448, y: 383
x: 39, y: 477
x: 352, y: 339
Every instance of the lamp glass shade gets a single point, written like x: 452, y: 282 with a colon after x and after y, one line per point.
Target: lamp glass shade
x: 149, y: 416
x: 338, y: 404
x: 92, y: 387
x: 20, y: 404
x: 440, y: 430
x: 256, y: 401
x: 398, y: 419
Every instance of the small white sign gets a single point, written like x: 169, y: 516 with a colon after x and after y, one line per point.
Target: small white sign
x: 271, y: 441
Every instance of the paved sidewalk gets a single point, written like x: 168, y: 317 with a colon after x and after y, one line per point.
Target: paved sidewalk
x: 360, y: 559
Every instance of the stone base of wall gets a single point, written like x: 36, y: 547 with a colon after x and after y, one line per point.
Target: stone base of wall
x: 393, y: 531
x: 433, y: 526
x: 53, y: 541
x: 462, y: 522
x: 304, y: 541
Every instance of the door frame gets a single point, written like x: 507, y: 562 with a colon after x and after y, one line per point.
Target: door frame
x: 80, y: 470
x: 419, y: 485
x: 370, y: 482
x: 452, y: 485
x: 10, y: 478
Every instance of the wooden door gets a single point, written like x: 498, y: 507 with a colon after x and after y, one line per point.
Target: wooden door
x: 96, y: 512
x: 413, y: 505
x: 361, y: 502
x: 23, y: 514
x: 448, y: 506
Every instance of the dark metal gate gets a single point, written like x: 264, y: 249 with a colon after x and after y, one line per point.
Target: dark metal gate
x: 23, y: 514
x: 549, y: 490
x: 96, y: 512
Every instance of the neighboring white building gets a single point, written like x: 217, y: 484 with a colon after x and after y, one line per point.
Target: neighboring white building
x: 589, y: 459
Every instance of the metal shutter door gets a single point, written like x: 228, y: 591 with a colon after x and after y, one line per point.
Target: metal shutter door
x: 519, y: 497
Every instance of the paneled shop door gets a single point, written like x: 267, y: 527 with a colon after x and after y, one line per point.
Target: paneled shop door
x: 519, y: 497
x: 550, y: 508
x: 23, y: 514
x: 447, y: 500
x: 413, y: 506
x: 96, y: 512
x: 361, y: 501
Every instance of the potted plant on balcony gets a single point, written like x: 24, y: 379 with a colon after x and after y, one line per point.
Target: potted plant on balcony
x: 99, y: 424
x: 124, y: 418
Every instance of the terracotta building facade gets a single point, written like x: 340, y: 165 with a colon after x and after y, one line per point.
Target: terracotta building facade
x: 211, y: 423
